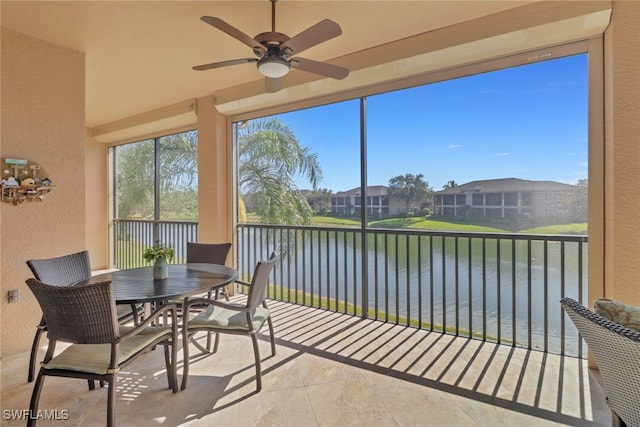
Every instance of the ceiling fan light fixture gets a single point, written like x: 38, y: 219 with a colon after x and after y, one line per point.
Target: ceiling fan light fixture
x: 273, y: 67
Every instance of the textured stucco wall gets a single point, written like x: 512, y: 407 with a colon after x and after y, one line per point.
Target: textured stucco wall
x: 96, y: 203
x: 622, y: 153
x: 43, y: 119
x: 214, y: 176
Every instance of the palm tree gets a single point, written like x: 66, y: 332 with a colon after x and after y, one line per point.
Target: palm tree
x: 450, y: 184
x: 134, y: 180
x: 270, y: 157
x: 178, y: 177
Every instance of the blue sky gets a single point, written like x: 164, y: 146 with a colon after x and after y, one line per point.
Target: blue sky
x: 526, y: 122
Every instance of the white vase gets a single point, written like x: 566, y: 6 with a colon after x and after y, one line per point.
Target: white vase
x: 160, y: 268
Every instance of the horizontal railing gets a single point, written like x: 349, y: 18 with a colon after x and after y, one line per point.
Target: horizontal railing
x: 131, y: 237
x: 502, y: 288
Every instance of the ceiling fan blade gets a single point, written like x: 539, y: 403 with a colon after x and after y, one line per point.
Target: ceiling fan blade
x: 233, y: 32
x: 273, y: 85
x: 322, y: 68
x: 224, y: 64
x: 316, y: 34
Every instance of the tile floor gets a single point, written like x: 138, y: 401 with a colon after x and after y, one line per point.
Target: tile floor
x: 333, y: 370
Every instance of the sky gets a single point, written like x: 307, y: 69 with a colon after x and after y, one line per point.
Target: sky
x: 527, y: 122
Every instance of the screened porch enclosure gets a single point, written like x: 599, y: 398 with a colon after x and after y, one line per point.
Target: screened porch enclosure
x: 459, y: 204
x: 497, y: 288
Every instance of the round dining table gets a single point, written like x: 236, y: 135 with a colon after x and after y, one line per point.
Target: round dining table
x: 137, y: 285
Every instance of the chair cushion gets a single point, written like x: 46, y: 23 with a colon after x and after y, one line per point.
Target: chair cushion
x: 94, y: 358
x: 222, y: 318
x: 618, y: 312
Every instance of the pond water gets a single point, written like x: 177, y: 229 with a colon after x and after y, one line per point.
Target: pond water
x: 502, y: 288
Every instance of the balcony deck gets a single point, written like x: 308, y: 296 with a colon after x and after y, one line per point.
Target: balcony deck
x: 331, y: 370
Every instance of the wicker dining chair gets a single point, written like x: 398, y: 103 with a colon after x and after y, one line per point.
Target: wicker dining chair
x: 233, y: 318
x: 85, y: 316
x: 616, y: 350
x: 209, y: 253
x: 68, y: 270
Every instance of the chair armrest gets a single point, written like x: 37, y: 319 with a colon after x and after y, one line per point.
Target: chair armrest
x: 242, y: 282
x: 632, y: 334
x: 208, y: 301
x: 171, y: 309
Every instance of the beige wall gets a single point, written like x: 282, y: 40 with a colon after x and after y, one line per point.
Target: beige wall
x: 43, y: 121
x: 214, y: 175
x: 96, y: 203
x: 622, y: 153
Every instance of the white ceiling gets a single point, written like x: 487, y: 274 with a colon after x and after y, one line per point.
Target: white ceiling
x: 139, y: 54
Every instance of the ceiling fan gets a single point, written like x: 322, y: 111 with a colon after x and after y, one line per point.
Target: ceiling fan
x: 275, y: 50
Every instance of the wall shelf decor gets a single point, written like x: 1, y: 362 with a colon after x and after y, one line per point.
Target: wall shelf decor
x: 23, y: 180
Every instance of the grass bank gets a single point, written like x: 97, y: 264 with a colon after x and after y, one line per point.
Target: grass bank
x: 421, y: 223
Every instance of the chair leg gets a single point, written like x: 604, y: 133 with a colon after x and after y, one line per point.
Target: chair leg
x: 215, y: 343
x: 111, y: 410
x: 185, y: 360
x: 221, y: 291
x: 167, y: 364
x: 208, y: 341
x: 215, y: 297
x: 34, y: 354
x: 256, y: 353
x: 273, y: 339
x: 174, y: 365
x: 136, y: 314
x: 171, y: 364
x: 35, y: 399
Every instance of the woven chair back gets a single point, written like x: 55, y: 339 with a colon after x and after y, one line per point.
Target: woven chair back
x: 62, y: 271
x: 81, y: 314
x: 208, y: 253
x: 616, y: 350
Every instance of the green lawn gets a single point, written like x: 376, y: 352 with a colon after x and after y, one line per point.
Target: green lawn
x: 580, y: 228
x: 430, y: 224
x: 329, y: 221
x: 418, y: 222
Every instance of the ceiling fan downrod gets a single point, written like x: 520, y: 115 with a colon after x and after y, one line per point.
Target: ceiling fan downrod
x: 273, y: 16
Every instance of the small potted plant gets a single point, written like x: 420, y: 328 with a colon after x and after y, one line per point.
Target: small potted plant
x: 159, y: 255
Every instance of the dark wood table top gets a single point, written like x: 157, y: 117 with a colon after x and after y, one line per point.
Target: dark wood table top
x: 137, y: 285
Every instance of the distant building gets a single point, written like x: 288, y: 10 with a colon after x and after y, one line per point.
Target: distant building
x: 379, y: 204
x: 318, y: 204
x: 506, y: 198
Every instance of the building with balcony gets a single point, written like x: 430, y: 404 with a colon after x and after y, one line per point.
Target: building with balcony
x: 379, y: 203
x: 510, y: 198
